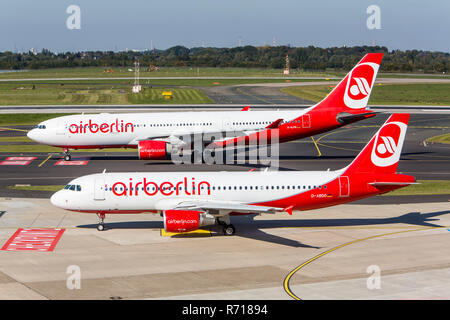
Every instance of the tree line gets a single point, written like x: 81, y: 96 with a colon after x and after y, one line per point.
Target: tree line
x: 301, y: 58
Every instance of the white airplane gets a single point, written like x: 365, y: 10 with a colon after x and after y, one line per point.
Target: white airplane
x: 158, y: 135
x: 190, y: 200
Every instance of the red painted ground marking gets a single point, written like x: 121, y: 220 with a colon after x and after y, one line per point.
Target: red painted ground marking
x: 33, y: 240
x: 17, y: 161
x: 14, y: 163
x: 71, y: 163
x: 20, y: 158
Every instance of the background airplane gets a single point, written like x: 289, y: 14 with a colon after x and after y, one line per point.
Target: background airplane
x: 157, y: 135
x: 190, y: 200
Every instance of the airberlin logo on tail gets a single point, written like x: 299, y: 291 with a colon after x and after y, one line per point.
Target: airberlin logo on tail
x: 388, y: 144
x: 388, y: 147
x: 359, y: 85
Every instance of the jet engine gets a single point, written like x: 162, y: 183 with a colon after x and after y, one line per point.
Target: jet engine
x: 185, y: 220
x: 153, y: 149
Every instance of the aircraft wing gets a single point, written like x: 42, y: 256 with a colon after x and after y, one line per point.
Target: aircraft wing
x: 216, y: 207
x: 225, y: 206
x: 213, y: 136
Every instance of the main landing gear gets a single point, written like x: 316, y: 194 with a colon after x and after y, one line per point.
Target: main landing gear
x: 101, y: 219
x: 67, y: 155
x: 227, y: 227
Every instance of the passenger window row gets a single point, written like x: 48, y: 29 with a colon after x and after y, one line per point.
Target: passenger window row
x: 178, y: 124
x: 258, y: 122
x: 225, y: 188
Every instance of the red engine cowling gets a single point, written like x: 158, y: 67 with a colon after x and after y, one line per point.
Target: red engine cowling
x: 153, y: 149
x: 186, y: 220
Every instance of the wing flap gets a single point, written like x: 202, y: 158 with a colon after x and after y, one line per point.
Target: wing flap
x: 275, y: 124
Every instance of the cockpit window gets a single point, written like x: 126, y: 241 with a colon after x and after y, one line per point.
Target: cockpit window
x: 73, y: 187
x: 40, y: 126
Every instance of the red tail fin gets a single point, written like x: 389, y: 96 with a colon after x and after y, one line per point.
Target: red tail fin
x: 382, y: 153
x: 353, y: 92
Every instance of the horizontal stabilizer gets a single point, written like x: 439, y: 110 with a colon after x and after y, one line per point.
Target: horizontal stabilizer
x: 348, y: 117
x: 375, y: 184
x: 289, y: 210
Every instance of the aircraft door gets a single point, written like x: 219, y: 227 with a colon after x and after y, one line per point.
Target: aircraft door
x: 99, y: 189
x: 61, y: 128
x: 306, y: 121
x: 344, y: 187
x: 226, y: 124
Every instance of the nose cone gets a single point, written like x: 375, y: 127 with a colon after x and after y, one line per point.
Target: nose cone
x: 57, y: 200
x: 33, y: 134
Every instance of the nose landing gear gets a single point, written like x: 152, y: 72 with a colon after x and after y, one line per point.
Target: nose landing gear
x: 67, y: 155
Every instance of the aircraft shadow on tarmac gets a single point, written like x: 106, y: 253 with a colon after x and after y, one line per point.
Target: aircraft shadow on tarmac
x: 250, y: 228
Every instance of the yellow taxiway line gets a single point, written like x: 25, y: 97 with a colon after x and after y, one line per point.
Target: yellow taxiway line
x: 42, y: 163
x: 317, y: 147
x: 13, y: 129
x: 286, y: 286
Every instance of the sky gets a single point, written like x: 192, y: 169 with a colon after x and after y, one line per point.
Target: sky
x: 161, y: 24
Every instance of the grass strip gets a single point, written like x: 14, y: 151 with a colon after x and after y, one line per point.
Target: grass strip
x: 37, y: 188
x: 444, y: 138
x: 426, y: 187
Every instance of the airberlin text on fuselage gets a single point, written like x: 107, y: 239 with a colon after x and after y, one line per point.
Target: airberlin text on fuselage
x: 166, y: 188
x: 92, y: 127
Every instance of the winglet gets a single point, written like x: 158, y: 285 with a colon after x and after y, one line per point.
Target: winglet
x: 275, y: 124
x: 289, y: 210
